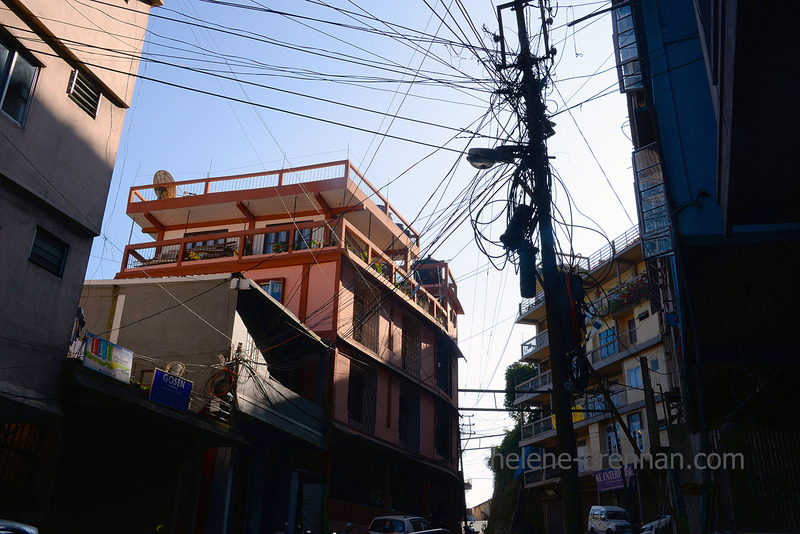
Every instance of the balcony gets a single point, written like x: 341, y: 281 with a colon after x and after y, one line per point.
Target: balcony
x: 537, y: 347
x: 545, y: 475
x: 532, y: 310
x: 597, y: 408
x: 622, y: 298
x: 526, y: 390
x: 281, y: 245
x: 538, y: 428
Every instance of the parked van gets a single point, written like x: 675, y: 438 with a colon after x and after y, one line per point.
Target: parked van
x: 608, y: 520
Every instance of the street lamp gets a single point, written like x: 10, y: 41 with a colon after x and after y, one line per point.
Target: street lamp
x: 485, y: 158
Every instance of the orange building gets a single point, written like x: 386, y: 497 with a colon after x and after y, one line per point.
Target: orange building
x: 325, y: 243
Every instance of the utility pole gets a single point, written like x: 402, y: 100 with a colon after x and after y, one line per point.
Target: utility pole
x: 537, y: 161
x: 650, y: 406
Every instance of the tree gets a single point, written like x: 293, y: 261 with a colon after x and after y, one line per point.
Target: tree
x: 517, y: 373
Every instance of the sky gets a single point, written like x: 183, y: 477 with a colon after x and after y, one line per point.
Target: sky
x: 402, y: 89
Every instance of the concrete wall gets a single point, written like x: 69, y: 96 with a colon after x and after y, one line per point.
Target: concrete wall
x: 55, y: 171
x: 144, y: 318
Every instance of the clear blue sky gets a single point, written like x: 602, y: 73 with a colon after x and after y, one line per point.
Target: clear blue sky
x: 343, y: 73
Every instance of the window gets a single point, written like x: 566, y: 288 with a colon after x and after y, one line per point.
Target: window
x: 654, y: 217
x: 608, y: 344
x: 362, y: 389
x: 628, y: 67
x: 365, y: 313
x: 84, y: 93
x: 443, y: 429
x: 612, y: 444
x: 412, y: 344
x: 17, y: 76
x: 309, y: 238
x: 654, y: 365
x: 635, y: 426
x: 48, y: 252
x: 444, y: 366
x: 274, y: 288
x: 409, y: 417
x: 635, y: 377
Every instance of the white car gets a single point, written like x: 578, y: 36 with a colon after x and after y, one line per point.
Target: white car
x: 608, y: 520
x: 402, y: 524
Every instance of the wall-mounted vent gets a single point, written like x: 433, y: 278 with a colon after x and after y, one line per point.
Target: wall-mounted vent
x: 84, y: 93
x: 48, y: 252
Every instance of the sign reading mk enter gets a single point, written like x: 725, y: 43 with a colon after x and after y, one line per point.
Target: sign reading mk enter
x: 170, y: 390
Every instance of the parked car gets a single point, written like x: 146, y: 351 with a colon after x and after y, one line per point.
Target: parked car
x: 608, y: 520
x: 659, y: 526
x: 12, y: 527
x: 402, y: 524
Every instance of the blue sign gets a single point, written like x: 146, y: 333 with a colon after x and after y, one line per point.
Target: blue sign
x: 170, y: 390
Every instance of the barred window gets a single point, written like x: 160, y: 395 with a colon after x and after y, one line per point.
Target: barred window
x: 444, y: 429
x: 409, y: 417
x: 362, y: 390
x: 365, y: 313
x: 412, y: 344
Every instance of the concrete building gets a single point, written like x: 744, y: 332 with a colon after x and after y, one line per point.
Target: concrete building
x: 718, y: 202
x: 62, y: 104
x: 239, y: 452
x: 631, y: 327
x: 326, y: 244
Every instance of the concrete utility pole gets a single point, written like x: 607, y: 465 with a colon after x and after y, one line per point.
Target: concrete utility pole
x: 537, y: 161
x: 650, y: 406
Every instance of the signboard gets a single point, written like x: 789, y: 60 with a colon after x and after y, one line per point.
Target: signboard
x: 107, y: 358
x: 611, y: 479
x: 170, y: 390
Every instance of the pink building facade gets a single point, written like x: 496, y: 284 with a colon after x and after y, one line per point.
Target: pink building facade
x: 326, y: 244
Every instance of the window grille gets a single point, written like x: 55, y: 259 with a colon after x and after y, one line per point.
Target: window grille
x: 409, y: 419
x: 365, y: 314
x: 444, y: 429
x: 48, y: 252
x: 362, y: 390
x: 84, y: 93
x: 651, y: 201
x: 444, y: 364
x: 412, y: 344
x: 627, y: 51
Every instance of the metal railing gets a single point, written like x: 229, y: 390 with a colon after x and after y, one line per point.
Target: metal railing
x: 538, y: 382
x: 607, y: 252
x: 530, y: 303
x: 279, y: 240
x: 540, y: 426
x: 536, y: 343
x: 274, y: 178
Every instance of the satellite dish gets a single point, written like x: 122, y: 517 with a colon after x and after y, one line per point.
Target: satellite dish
x: 163, y: 177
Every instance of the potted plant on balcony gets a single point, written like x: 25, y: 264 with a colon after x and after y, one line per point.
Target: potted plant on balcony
x: 280, y: 246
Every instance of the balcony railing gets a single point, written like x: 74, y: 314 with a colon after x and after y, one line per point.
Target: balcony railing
x: 277, y: 241
x: 623, y: 297
x: 538, y: 382
x: 275, y: 178
x: 597, y: 406
x: 540, y: 426
x: 528, y: 304
x: 535, y: 344
x: 621, y: 242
